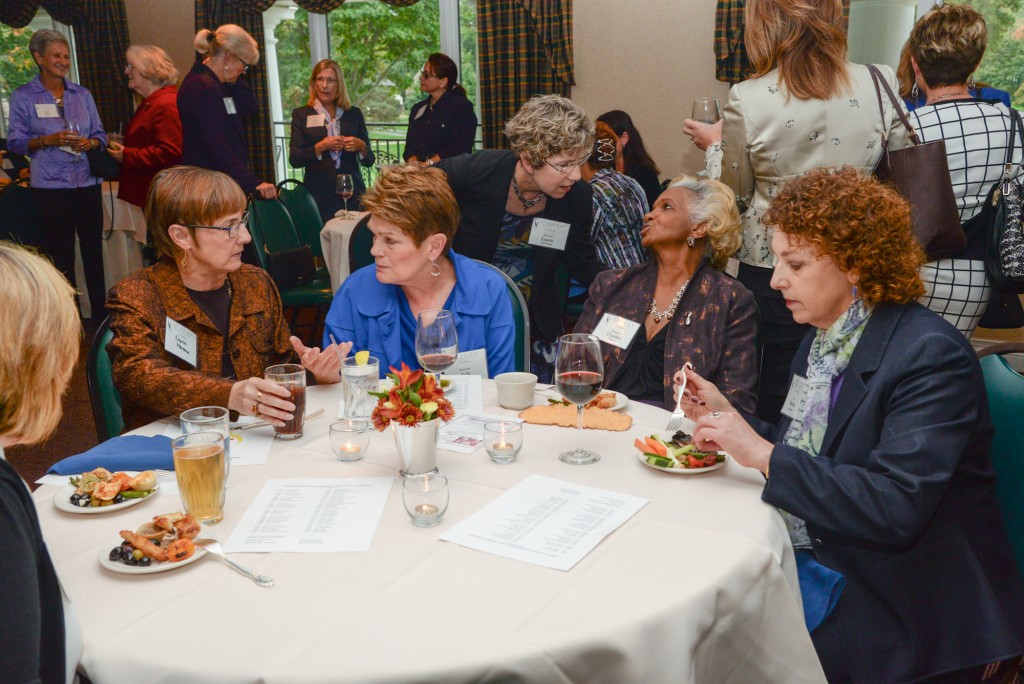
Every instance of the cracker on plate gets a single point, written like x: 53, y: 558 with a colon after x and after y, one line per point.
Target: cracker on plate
x: 565, y: 416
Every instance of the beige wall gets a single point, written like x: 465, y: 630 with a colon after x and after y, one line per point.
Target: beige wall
x: 650, y: 58
x: 169, y: 24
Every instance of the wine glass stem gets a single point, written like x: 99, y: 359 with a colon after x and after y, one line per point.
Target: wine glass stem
x: 346, y: 205
x: 579, y: 428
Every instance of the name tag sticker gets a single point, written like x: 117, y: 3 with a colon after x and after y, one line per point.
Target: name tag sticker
x: 796, y: 401
x: 47, y: 111
x: 732, y: 267
x: 229, y: 105
x: 470, y: 363
x: 419, y: 112
x: 315, y: 121
x: 180, y: 341
x: 616, y: 330
x: 548, y: 233
x: 5, y: 163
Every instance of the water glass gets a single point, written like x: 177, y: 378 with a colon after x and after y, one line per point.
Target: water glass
x: 292, y: 377
x: 425, y: 498
x: 350, y: 439
x: 502, y: 440
x: 358, y: 380
x: 207, y: 418
x: 199, y: 466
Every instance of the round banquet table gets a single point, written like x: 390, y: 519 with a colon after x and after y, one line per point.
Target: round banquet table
x: 699, y: 586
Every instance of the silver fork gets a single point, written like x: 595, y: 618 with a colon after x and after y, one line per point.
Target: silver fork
x: 213, y: 546
x: 676, y: 421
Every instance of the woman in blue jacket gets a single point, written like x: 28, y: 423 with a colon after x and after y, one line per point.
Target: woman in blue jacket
x: 413, y: 216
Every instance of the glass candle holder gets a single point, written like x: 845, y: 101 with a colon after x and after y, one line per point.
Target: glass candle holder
x: 425, y: 498
x: 350, y: 439
x: 502, y: 440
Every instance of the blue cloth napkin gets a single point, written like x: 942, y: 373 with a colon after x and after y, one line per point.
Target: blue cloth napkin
x: 128, y: 452
x: 820, y: 588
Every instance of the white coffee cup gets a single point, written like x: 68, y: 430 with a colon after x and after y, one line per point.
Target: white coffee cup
x: 515, y: 390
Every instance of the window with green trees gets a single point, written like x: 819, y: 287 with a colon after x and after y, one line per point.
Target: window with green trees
x: 1003, y: 64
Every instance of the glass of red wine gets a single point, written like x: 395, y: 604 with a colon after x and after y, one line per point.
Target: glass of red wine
x: 579, y: 374
x: 437, y: 341
x: 344, y: 187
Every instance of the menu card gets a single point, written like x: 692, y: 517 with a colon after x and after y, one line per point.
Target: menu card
x: 465, y: 434
x: 312, y: 515
x: 546, y: 522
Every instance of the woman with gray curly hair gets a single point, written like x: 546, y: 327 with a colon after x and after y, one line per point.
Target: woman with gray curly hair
x: 523, y: 211
x: 679, y: 307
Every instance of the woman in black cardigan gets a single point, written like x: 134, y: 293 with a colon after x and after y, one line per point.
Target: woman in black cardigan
x: 329, y: 137
x: 444, y: 124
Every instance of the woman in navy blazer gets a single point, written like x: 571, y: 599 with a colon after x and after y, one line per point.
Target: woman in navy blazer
x: 444, y: 124
x: 880, y: 465
x: 329, y: 137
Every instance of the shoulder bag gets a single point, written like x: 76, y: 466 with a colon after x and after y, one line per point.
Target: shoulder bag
x: 921, y: 174
x: 291, y: 267
x: 102, y: 165
x: 1004, y: 231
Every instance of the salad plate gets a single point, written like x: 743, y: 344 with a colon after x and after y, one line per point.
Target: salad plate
x: 62, y: 500
x: 157, y: 566
x: 685, y: 471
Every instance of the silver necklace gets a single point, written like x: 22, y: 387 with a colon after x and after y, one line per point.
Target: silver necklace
x: 527, y: 204
x: 947, y: 96
x: 667, y: 313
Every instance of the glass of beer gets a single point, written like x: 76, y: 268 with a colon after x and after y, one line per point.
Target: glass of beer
x: 199, y: 465
x: 292, y: 377
x: 206, y: 418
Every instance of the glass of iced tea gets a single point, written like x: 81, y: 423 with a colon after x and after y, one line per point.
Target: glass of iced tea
x: 292, y: 377
x: 199, y: 465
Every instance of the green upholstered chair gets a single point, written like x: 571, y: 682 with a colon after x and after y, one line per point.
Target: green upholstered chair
x: 1005, y: 388
x: 521, y: 316
x: 105, y: 399
x: 304, y: 212
x: 359, y: 245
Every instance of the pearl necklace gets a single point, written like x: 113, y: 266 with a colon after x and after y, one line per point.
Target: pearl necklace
x: 527, y: 204
x: 670, y: 311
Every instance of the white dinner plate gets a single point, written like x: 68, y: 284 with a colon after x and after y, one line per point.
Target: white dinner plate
x: 117, y: 566
x: 683, y: 471
x: 62, y: 500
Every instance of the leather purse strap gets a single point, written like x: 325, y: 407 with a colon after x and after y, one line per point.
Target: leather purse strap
x: 1016, y: 128
x: 877, y: 77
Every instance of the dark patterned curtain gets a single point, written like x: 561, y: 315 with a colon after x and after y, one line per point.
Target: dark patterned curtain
x: 248, y: 14
x: 525, y: 50
x: 18, y: 13
x: 400, y: 3
x: 319, y: 6
x: 731, y: 62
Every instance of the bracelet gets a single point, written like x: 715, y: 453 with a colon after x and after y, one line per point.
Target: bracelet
x: 767, y: 467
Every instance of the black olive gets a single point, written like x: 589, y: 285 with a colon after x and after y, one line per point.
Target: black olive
x: 80, y: 500
x: 145, y: 561
x: 115, y: 554
x: 126, y: 551
x: 130, y: 561
x: 119, y: 498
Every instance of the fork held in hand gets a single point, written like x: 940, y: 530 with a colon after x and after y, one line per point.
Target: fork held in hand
x: 676, y: 421
x: 213, y: 546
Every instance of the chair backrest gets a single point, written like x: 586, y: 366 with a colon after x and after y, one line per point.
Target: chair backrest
x: 305, y: 213
x: 105, y: 399
x: 271, y: 228
x: 359, y: 245
x: 521, y: 316
x: 1005, y: 388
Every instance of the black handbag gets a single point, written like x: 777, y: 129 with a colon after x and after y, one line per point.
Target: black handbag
x: 102, y: 165
x: 920, y: 173
x: 291, y: 267
x: 1004, y: 223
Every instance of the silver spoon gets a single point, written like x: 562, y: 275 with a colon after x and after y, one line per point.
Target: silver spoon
x: 213, y: 546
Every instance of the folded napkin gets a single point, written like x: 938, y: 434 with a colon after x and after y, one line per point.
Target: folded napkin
x: 128, y: 452
x: 820, y: 588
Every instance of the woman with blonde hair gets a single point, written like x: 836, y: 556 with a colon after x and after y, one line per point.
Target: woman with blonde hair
x: 329, y: 138
x: 683, y: 308
x: 524, y: 211
x: 224, y: 316
x: 805, y: 107
x: 211, y: 101
x: 39, y: 341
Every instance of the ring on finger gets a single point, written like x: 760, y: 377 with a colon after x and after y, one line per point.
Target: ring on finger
x: 716, y: 414
x: 259, y: 396
x: 256, y: 409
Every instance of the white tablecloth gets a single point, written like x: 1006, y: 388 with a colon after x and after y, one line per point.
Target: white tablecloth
x: 334, y: 240
x: 699, y: 586
x: 122, y: 251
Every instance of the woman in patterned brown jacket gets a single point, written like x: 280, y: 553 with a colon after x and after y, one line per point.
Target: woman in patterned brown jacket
x: 169, y: 351
x: 685, y: 307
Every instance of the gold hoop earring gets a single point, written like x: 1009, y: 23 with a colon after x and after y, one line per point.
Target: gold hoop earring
x: 184, y: 261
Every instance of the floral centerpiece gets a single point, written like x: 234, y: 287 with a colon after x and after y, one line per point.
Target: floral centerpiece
x: 414, y: 398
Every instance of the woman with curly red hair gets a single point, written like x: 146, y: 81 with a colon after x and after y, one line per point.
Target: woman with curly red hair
x: 880, y: 464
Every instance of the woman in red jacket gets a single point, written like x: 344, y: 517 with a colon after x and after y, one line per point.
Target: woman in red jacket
x: 153, y: 139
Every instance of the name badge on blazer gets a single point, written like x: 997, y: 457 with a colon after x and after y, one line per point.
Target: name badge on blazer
x: 419, y: 113
x: 229, y: 105
x: 616, y: 330
x: 473, y: 362
x: 47, y: 111
x: 181, y: 342
x: 315, y: 121
x: 548, y: 233
x: 796, y: 401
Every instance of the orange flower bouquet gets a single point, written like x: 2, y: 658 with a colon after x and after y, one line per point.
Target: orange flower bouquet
x: 414, y: 398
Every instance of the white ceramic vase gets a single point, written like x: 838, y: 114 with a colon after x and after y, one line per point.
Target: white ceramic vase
x: 417, y: 447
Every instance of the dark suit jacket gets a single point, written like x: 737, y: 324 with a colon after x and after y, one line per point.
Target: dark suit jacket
x: 210, y: 137
x: 446, y: 129
x: 480, y: 182
x: 714, y: 328
x: 321, y: 173
x: 902, y: 502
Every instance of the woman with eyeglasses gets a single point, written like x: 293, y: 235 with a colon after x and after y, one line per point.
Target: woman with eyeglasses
x: 523, y: 211
x: 444, y: 124
x: 212, y: 100
x: 329, y: 138
x: 199, y: 327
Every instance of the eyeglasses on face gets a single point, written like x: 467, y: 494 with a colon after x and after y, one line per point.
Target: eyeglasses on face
x: 231, y: 230
x: 565, y: 168
x: 129, y: 68
x: 245, y: 66
x: 327, y: 80
x: 427, y: 74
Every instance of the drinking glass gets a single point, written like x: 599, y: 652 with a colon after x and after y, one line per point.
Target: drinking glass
x: 706, y: 110
x: 199, y: 466
x: 292, y: 377
x: 357, y: 382
x: 425, y: 498
x: 345, y: 187
x: 437, y: 341
x: 206, y: 419
x: 73, y: 128
x: 579, y: 374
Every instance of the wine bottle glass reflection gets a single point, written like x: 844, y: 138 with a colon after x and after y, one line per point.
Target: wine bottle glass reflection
x: 345, y: 188
x: 579, y: 374
x: 437, y: 341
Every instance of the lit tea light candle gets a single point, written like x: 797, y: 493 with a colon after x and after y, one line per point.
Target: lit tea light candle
x: 426, y: 509
x: 351, y: 448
